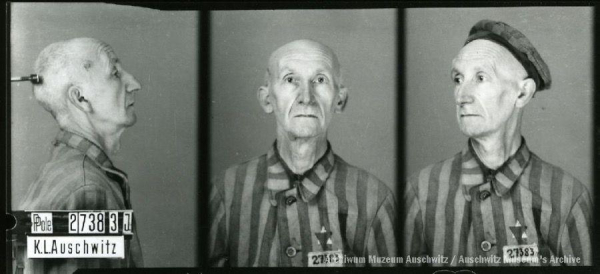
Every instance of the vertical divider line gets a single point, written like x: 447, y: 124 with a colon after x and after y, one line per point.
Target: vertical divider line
x: 204, y: 150
x: 400, y: 126
x: 596, y: 138
x: 6, y: 133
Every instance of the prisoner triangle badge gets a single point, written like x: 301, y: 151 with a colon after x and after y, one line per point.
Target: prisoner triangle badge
x: 324, y: 239
x: 519, y: 233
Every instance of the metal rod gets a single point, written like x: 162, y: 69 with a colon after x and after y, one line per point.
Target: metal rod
x: 33, y: 78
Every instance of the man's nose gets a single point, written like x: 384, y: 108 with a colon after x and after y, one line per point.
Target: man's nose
x: 462, y: 94
x: 132, y: 83
x: 306, y: 93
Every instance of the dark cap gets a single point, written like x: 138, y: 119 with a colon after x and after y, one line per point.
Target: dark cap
x: 513, y: 40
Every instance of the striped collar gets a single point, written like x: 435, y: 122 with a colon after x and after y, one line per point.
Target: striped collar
x: 84, y: 146
x: 91, y: 150
x: 475, y: 173
x: 280, y: 177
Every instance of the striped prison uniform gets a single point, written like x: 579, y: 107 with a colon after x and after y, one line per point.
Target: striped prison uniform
x: 460, y: 209
x: 80, y: 176
x: 264, y: 215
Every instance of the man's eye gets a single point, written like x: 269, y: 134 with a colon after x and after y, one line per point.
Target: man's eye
x: 321, y: 80
x: 117, y: 74
x: 480, y: 78
x: 289, y: 79
x: 457, y: 79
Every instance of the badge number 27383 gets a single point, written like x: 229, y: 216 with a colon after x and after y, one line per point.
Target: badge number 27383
x: 325, y: 258
x: 521, y: 253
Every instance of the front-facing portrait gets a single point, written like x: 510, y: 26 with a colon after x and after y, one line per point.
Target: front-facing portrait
x: 303, y: 139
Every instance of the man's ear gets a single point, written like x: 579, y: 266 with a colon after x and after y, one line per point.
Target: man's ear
x: 76, y: 98
x: 342, y: 99
x: 263, y: 99
x: 527, y: 88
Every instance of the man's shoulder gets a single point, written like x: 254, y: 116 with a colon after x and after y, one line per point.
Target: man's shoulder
x: 228, y: 176
x: 417, y: 178
x: 364, y: 178
x: 68, y: 172
x: 245, y: 164
x: 72, y: 168
x: 563, y: 177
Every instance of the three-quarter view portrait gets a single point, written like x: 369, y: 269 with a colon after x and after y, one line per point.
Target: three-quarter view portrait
x: 500, y: 202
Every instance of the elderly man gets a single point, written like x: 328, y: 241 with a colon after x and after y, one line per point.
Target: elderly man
x: 91, y: 96
x: 496, y: 203
x: 300, y: 204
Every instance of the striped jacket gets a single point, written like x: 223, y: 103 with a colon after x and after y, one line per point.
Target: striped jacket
x: 263, y: 215
x: 456, y: 208
x: 80, y: 176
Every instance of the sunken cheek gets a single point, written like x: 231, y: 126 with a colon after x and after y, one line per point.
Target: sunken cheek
x: 120, y: 97
x: 283, y: 102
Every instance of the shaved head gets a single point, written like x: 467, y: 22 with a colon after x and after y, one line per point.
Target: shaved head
x: 303, y: 88
x: 64, y: 64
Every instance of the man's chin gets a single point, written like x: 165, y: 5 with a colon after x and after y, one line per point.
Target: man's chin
x: 304, y: 133
x: 131, y: 120
x: 473, y: 132
x: 467, y: 128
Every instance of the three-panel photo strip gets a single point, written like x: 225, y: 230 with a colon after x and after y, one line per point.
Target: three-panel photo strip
x: 224, y: 137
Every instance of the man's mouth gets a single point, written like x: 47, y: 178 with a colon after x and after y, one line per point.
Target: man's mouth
x: 306, y: 116
x: 468, y: 115
x: 130, y: 104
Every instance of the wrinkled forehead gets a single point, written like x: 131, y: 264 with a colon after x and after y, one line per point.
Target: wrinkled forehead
x: 106, y: 51
x: 93, y: 53
x: 308, y: 52
x: 484, y: 53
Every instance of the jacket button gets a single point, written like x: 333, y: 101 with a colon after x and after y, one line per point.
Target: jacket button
x: 484, y: 195
x: 291, y: 251
x: 486, y: 246
x: 290, y: 200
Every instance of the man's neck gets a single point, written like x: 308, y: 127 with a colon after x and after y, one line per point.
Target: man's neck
x: 494, y: 149
x: 301, y: 154
x: 107, y: 140
x: 494, y: 152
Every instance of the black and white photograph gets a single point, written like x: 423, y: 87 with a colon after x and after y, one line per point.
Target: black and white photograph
x: 208, y: 137
x: 111, y: 124
x: 499, y: 136
x: 303, y: 117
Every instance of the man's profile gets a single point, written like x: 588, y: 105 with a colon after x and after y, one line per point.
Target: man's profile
x: 300, y: 202
x: 497, y: 203
x: 91, y: 97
